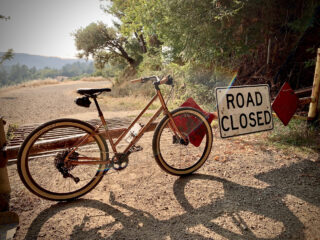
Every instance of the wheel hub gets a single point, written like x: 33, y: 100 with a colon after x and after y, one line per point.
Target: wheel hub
x: 177, y: 140
x: 63, y: 167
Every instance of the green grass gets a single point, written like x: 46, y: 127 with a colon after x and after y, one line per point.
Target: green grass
x: 296, y: 134
x: 10, y: 131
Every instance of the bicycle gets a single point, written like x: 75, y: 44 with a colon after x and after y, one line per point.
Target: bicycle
x: 66, y: 158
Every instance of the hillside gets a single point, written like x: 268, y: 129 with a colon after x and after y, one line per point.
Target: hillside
x: 39, y: 62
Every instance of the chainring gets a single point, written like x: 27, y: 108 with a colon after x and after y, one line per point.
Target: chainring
x: 120, y: 161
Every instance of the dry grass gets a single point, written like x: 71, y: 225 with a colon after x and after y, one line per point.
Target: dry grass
x: 127, y: 103
x: 33, y: 83
x: 50, y: 81
x: 94, y: 79
x: 40, y: 82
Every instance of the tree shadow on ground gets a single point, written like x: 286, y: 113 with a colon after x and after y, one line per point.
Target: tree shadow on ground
x: 300, y: 180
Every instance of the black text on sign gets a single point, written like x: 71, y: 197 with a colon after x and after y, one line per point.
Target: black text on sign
x: 243, y: 110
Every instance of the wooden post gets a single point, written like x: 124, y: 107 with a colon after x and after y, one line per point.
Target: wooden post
x: 4, y: 180
x: 6, y: 217
x: 315, y: 91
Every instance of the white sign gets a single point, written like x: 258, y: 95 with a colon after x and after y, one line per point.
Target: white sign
x: 243, y: 110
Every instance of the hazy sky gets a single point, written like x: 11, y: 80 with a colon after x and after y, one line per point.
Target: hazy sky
x: 44, y: 27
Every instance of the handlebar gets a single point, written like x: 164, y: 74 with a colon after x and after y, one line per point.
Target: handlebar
x: 136, y: 80
x: 165, y: 80
x: 145, y: 79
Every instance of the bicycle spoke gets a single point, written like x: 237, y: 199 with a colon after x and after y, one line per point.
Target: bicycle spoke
x: 182, y: 155
x: 43, y: 167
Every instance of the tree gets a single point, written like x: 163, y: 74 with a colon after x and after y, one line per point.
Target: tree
x: 190, y: 29
x: 3, y: 77
x: 9, y: 54
x: 119, y: 9
x: 299, y: 65
x: 252, y: 36
x: 77, y: 69
x: 103, y: 44
x: 6, y: 56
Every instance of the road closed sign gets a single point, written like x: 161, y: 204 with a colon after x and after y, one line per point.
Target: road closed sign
x: 244, y: 110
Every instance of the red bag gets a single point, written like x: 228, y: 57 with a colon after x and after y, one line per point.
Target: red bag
x: 191, y: 125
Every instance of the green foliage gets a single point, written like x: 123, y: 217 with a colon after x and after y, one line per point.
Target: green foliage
x: 104, y: 44
x: 193, y: 30
x: 151, y: 63
x: 199, y: 83
x: 6, y: 56
x: 4, y: 17
x: 212, y: 32
x: 76, y: 69
x: 9, y: 54
x: 3, y: 77
x: 20, y: 73
x: 123, y: 87
x: 201, y: 42
x: 109, y: 71
x: 10, y: 132
x: 48, y: 73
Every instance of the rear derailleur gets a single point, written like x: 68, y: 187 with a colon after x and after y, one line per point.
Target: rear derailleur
x: 64, y: 168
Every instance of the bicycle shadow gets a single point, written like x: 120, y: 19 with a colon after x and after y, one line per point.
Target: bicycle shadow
x: 301, y: 180
x: 142, y: 225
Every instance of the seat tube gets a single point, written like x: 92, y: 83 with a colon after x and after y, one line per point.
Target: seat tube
x: 105, y: 125
x: 98, y: 108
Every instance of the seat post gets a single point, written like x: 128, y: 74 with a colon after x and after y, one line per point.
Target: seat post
x: 99, y: 110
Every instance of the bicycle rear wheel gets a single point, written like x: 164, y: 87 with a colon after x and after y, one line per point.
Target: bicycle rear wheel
x: 179, y: 157
x: 41, y: 160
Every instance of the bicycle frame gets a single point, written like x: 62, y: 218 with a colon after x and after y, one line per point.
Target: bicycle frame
x: 114, y: 144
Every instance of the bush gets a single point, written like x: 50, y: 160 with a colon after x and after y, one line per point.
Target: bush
x: 198, y: 82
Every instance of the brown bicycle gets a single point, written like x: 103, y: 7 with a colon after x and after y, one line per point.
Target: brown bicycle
x: 66, y: 158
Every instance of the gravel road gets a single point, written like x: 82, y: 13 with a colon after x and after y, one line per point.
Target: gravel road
x: 247, y: 189
x: 28, y: 105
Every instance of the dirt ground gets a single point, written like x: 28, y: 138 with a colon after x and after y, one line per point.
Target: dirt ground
x: 246, y: 190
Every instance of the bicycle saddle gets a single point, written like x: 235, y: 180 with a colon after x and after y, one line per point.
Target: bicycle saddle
x: 91, y: 91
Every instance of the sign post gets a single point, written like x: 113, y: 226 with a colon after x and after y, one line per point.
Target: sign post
x: 312, y: 114
x: 244, y: 110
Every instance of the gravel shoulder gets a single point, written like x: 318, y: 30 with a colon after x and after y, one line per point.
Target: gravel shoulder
x: 245, y: 190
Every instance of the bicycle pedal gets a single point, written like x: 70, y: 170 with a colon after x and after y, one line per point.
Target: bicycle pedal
x: 135, y: 148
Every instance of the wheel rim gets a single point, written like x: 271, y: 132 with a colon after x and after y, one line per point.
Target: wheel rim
x: 39, y: 169
x: 182, y: 157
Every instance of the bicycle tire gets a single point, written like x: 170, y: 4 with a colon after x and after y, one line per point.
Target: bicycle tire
x: 165, y: 151
x: 37, y: 166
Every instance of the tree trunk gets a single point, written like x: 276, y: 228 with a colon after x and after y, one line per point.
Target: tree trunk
x: 142, y: 43
x: 132, y: 62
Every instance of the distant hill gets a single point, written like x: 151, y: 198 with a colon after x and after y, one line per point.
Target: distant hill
x: 39, y: 62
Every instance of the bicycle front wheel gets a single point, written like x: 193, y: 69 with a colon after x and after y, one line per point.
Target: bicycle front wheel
x: 177, y: 156
x: 41, y: 159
